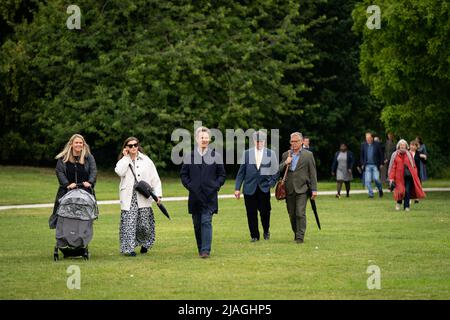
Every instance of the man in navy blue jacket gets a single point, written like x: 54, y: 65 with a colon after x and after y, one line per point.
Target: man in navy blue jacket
x: 258, y: 172
x: 203, y: 173
x: 372, y: 159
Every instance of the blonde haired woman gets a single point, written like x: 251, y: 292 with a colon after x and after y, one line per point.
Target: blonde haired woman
x: 137, y: 223
x: 76, y: 167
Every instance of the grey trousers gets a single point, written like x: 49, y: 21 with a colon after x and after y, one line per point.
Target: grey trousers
x: 296, y: 206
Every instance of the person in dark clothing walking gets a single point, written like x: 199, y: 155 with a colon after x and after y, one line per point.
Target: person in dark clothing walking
x: 423, y: 168
x: 419, y: 159
x: 203, y: 174
x: 256, y: 175
x: 76, y: 168
x: 372, y: 159
x: 342, y: 168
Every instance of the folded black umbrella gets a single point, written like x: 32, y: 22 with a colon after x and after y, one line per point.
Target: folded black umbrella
x: 160, y: 206
x: 314, y: 208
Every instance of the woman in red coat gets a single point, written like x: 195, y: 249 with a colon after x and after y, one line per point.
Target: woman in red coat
x: 403, y: 175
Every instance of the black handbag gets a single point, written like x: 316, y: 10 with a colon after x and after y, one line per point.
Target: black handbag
x: 392, y: 186
x: 147, y: 191
x: 141, y: 186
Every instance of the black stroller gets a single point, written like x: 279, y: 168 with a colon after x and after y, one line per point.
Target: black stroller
x: 74, y: 228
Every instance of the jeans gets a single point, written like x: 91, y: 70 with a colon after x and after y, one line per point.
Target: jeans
x: 371, y: 173
x: 203, y: 230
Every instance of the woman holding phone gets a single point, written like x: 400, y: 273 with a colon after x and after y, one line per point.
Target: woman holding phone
x: 137, y: 223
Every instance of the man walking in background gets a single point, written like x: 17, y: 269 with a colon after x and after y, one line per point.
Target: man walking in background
x: 306, y: 144
x: 255, y: 173
x: 372, y: 159
x: 300, y: 179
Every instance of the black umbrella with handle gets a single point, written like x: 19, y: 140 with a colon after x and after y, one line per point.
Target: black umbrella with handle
x: 314, y: 207
x: 147, y: 191
x: 160, y: 205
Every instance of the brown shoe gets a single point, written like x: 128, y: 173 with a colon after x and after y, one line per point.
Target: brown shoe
x: 299, y: 241
x: 204, y: 255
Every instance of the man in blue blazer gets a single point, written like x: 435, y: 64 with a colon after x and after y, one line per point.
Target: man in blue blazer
x: 259, y: 173
x: 203, y: 174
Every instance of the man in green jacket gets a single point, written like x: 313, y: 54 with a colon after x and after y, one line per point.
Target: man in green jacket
x: 300, y: 178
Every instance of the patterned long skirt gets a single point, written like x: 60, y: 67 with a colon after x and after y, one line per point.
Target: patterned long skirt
x: 137, y: 227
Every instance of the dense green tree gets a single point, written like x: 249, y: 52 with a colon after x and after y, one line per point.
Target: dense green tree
x: 338, y: 108
x: 13, y: 12
x: 406, y: 64
x: 146, y: 68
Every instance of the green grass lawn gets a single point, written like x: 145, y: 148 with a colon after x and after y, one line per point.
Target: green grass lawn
x: 412, y: 251
x: 28, y: 185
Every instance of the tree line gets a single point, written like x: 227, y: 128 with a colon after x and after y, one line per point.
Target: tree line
x: 145, y: 68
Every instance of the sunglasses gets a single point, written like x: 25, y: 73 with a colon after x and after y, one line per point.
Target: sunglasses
x: 133, y: 145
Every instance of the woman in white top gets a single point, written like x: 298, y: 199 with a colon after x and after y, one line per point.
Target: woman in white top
x: 137, y: 223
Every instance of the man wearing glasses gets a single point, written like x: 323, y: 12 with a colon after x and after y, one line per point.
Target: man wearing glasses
x: 301, y: 178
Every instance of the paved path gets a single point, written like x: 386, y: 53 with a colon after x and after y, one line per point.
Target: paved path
x: 223, y: 196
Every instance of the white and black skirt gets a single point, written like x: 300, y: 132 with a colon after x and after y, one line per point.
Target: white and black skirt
x: 137, y: 227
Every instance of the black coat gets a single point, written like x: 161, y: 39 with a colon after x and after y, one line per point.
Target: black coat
x: 203, y: 180
x: 350, y: 161
x: 377, y: 154
x: 61, y: 173
x: 417, y: 161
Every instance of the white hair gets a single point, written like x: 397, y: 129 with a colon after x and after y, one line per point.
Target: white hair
x: 200, y: 130
x: 400, y: 142
x: 298, y: 134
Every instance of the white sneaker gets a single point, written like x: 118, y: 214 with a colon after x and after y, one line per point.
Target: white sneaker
x: 397, y: 207
x: 407, y: 209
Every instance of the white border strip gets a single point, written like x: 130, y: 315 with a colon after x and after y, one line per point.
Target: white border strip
x: 169, y: 199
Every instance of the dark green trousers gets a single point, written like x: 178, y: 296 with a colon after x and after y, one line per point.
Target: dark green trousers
x: 296, y: 206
